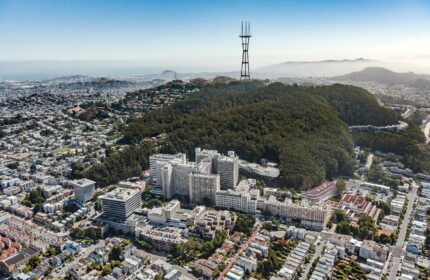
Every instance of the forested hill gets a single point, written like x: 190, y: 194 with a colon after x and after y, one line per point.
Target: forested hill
x: 356, y: 106
x: 302, y: 128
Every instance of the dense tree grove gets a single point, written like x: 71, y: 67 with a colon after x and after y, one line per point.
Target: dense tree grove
x: 196, y: 248
x: 356, y: 106
x: 244, y: 223
x: 121, y: 165
x: 304, y: 129
x: 91, y: 233
x: 410, y: 144
x: 365, y: 229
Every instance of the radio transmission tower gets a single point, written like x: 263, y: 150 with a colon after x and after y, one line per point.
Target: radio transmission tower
x: 245, y: 34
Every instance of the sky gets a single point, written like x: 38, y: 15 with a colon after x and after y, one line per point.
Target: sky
x: 203, y: 35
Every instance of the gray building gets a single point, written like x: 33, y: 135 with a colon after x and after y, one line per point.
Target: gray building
x: 226, y: 166
x: 203, y: 187
x: 228, y: 169
x: 84, y: 189
x: 174, y: 176
x: 120, y: 203
x: 157, y: 161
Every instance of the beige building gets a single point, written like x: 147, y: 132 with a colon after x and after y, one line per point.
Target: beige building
x: 375, y: 251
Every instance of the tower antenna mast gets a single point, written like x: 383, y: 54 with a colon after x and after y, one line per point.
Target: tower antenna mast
x: 245, y: 34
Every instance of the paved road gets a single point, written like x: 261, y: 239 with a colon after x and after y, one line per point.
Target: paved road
x: 397, y: 250
x: 412, y: 195
x: 85, y: 252
x: 318, y: 252
x: 239, y: 253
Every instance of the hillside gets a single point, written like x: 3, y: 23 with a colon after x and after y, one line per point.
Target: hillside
x: 385, y: 76
x: 356, y: 106
x: 295, y: 126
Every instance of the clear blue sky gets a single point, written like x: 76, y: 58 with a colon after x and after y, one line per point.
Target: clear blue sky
x: 193, y: 33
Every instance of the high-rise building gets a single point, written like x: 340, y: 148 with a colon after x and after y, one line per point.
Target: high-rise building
x: 228, y: 169
x: 204, y: 166
x: 84, y: 189
x: 180, y: 174
x: 120, y: 203
x: 166, y: 181
x: 226, y: 166
x: 203, y: 188
x: 156, y: 163
x: 202, y: 154
x: 171, y: 174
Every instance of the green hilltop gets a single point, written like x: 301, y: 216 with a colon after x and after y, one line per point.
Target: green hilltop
x: 304, y: 129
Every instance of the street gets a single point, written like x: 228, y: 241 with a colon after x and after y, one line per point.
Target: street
x: 239, y: 253
x: 85, y: 252
x: 318, y: 252
x: 397, y: 250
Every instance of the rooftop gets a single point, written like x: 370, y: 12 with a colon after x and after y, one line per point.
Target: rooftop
x: 120, y: 194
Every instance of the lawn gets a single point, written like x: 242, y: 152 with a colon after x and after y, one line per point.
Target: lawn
x: 63, y: 150
x: 348, y: 269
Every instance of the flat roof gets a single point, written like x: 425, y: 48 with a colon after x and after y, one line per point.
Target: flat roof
x: 120, y: 194
x: 21, y: 256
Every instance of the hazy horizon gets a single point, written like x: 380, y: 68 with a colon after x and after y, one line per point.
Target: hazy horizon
x: 202, y: 36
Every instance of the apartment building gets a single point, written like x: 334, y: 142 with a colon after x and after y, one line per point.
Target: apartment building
x: 320, y: 193
x: 120, y: 203
x: 247, y: 200
x: 241, y: 198
x: 312, y: 217
x: 84, y: 189
x: 372, y: 250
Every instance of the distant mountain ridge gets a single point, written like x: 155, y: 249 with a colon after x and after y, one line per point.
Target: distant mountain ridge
x: 388, y: 77
x: 322, y: 68
x: 346, y: 60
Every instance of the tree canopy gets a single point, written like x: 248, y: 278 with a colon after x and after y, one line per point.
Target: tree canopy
x: 304, y: 129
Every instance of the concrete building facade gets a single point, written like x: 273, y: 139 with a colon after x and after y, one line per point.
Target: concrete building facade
x: 120, y: 203
x: 203, y: 188
x: 84, y: 189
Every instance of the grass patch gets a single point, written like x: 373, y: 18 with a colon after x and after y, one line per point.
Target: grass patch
x: 63, y: 150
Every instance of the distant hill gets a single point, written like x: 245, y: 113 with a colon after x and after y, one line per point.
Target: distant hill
x: 385, y: 76
x: 168, y: 74
x: 102, y: 83
x: 323, y: 68
x: 68, y: 79
x: 222, y: 79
